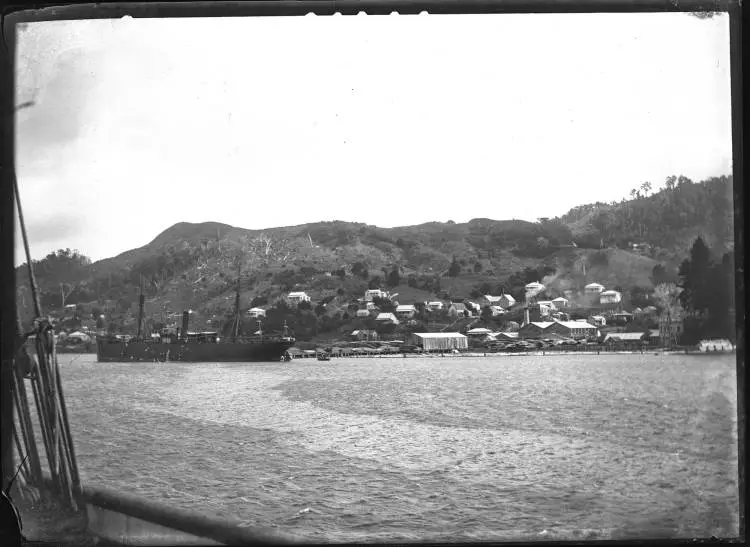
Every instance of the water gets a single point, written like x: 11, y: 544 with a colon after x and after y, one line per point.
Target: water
x: 498, y: 448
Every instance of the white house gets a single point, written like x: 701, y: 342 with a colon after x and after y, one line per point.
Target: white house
x: 256, y: 312
x: 406, y: 311
x: 371, y: 294
x: 496, y: 310
x: 434, y: 306
x: 457, y: 309
x: 363, y: 313
x: 598, y: 320
x: 387, y: 318
x: 560, y: 303
x: 610, y: 297
x: 593, y: 288
x: 294, y: 298
x: 532, y: 289
x: 473, y: 306
x: 504, y: 300
x: 550, y: 304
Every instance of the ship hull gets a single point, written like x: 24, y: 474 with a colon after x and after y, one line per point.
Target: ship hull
x: 224, y: 352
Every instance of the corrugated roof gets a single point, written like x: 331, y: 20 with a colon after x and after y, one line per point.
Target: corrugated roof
x: 439, y: 335
x: 542, y: 324
x: 577, y: 324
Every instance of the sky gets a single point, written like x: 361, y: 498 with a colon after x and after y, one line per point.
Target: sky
x: 138, y: 124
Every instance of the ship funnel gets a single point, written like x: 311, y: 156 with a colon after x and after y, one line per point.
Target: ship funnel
x: 185, y: 321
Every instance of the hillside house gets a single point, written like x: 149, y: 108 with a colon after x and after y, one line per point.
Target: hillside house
x: 364, y: 334
x: 504, y: 300
x: 362, y: 314
x: 619, y: 318
x: 496, y: 311
x: 458, y: 309
x: 610, y: 297
x: 295, y: 298
x: 406, y: 311
x: 534, y: 329
x: 372, y: 294
x: 598, y: 320
x: 473, y: 306
x: 532, y: 290
x: 256, y: 312
x: 593, y: 289
x: 435, y: 305
x: 574, y: 329
x: 440, y: 341
x: 560, y: 303
x: 387, y: 318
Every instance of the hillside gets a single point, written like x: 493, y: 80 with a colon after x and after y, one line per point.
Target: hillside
x: 194, y: 266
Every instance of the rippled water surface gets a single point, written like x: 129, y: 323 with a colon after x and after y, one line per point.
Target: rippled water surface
x: 553, y: 447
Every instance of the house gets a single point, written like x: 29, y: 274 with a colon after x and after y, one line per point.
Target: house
x: 593, y: 289
x: 370, y: 306
x: 362, y: 313
x: 387, y: 318
x: 506, y: 337
x: 440, y: 341
x: 610, y: 297
x: 406, y: 311
x: 295, y: 298
x: 478, y: 332
x: 473, y: 306
x: 560, y: 303
x: 574, y: 329
x: 619, y: 318
x: 256, y: 312
x: 457, y: 309
x: 364, y: 334
x: 504, y: 300
x: 372, y: 294
x: 535, y: 329
x: 496, y: 310
x: 435, y: 305
x: 533, y: 289
x: 598, y: 320
x: 626, y: 337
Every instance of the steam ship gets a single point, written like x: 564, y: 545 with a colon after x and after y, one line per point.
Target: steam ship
x: 181, y: 345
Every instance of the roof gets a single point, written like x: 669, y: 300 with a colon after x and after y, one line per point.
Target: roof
x: 654, y: 332
x: 576, y: 325
x: 439, y: 335
x: 559, y: 299
x: 508, y: 334
x: 298, y: 293
x: 386, y: 315
x: 458, y: 305
x: 478, y: 331
x: 406, y: 307
x: 534, y: 285
x: 610, y: 293
x: 257, y: 309
x: 542, y: 324
x: 624, y: 335
x: 431, y: 302
x: 594, y: 286
x: 491, y: 298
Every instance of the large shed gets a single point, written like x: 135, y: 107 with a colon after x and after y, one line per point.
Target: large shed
x: 440, y: 341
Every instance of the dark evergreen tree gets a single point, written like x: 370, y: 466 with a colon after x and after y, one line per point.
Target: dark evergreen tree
x: 455, y: 268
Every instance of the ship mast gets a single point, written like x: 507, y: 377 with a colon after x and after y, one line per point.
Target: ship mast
x: 141, y: 301
x: 237, y: 305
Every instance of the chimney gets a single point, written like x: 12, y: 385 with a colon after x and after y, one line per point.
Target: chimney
x: 526, y: 316
x: 185, y: 321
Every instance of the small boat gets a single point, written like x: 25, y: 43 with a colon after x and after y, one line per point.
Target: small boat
x: 323, y: 356
x: 713, y: 345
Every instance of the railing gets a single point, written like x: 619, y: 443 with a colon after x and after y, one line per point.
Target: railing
x: 118, y: 518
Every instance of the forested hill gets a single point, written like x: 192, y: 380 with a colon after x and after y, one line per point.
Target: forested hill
x: 669, y: 219
x: 195, y: 265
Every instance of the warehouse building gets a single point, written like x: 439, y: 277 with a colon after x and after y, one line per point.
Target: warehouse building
x: 440, y: 341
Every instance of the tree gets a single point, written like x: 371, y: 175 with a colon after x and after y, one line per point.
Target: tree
x: 695, y: 275
x: 646, y: 187
x: 668, y: 297
x: 455, y: 268
x: 394, y: 278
